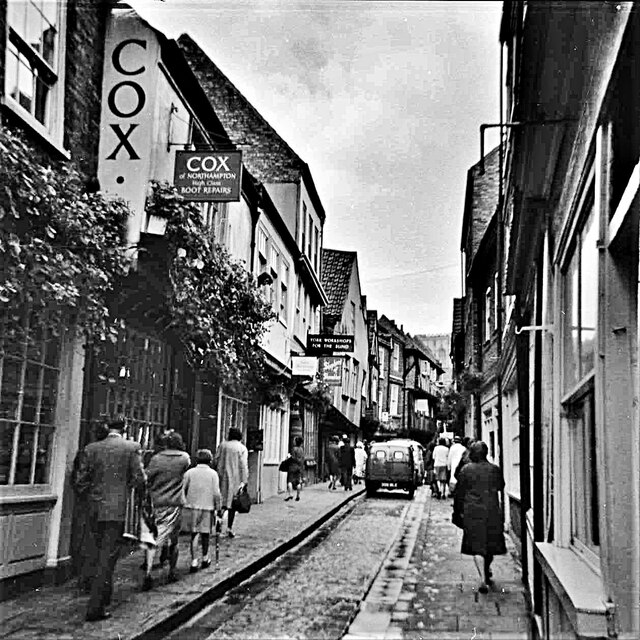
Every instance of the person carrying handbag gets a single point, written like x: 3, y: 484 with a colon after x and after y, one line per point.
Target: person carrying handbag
x: 232, y: 465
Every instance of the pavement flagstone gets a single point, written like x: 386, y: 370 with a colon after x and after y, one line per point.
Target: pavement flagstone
x: 427, y: 590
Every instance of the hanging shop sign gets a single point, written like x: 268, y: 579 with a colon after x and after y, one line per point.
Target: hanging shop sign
x: 304, y: 366
x: 321, y: 344
x: 332, y: 371
x: 208, y: 176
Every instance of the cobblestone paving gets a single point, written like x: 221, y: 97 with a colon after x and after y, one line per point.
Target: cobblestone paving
x: 313, y: 591
x: 56, y: 612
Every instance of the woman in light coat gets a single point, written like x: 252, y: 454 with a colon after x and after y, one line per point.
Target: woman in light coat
x: 232, y: 465
x: 361, y: 461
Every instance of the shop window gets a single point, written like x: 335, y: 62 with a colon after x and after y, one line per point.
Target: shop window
x: 233, y: 414
x: 580, y: 306
x: 310, y: 434
x: 33, y: 61
x: 273, y: 421
x: 133, y: 379
x: 579, y: 317
x: 585, y: 529
x: 29, y: 371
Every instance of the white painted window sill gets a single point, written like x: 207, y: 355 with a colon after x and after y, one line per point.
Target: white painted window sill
x: 577, y: 586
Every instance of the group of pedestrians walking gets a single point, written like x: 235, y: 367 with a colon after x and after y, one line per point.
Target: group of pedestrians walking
x: 153, y: 503
x: 464, y: 472
x: 443, y: 463
x: 345, y: 463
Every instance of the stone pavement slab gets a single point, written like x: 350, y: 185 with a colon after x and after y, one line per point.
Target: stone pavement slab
x: 267, y: 531
x: 439, y: 597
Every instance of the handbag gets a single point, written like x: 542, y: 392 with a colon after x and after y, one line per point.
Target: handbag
x: 241, y: 502
x: 285, y: 464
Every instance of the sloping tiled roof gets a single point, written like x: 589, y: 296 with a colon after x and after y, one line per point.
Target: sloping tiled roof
x: 336, y: 275
x: 267, y: 156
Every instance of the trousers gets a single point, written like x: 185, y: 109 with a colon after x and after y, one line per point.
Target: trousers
x: 107, y: 536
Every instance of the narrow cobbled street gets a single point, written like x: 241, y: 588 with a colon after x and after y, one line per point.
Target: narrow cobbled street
x: 315, y: 589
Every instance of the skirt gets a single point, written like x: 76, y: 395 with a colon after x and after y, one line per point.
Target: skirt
x: 168, y: 521
x: 441, y: 474
x: 197, y: 520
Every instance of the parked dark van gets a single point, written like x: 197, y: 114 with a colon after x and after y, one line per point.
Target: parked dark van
x: 392, y: 465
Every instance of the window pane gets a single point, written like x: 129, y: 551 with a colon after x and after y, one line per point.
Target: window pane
x: 571, y: 323
x: 43, y: 456
x: 25, y: 85
x: 31, y: 399
x: 25, y: 454
x: 9, y: 390
x: 6, y: 447
x: 11, y: 80
x: 589, y: 295
x: 33, y: 34
x: 16, y: 15
x: 49, y: 41
x: 40, y: 105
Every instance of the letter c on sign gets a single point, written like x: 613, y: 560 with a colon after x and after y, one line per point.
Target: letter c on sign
x: 190, y: 165
x: 115, y: 57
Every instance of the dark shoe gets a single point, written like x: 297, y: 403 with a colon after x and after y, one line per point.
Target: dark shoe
x: 95, y: 616
x: 483, y: 588
x: 297, y: 498
x: 193, y: 568
x: 172, y: 577
x: 288, y: 498
x: 147, y: 583
x: 205, y: 564
x: 230, y: 534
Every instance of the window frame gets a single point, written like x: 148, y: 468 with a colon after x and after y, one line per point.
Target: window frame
x: 578, y: 399
x: 52, y: 128
x: 21, y: 425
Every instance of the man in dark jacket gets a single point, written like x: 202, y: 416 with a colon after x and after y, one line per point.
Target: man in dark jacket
x: 347, y: 463
x: 110, y: 468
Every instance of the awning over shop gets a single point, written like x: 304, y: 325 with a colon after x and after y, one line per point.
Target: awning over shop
x: 335, y: 421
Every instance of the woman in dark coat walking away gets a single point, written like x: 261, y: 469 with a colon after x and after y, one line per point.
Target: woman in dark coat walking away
x: 477, y: 509
x: 333, y: 461
x: 294, y: 471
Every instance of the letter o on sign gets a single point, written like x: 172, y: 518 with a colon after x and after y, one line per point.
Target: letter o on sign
x: 209, y: 163
x: 140, y: 99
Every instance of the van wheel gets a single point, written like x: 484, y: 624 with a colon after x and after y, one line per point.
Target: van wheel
x: 412, y: 492
x: 371, y: 489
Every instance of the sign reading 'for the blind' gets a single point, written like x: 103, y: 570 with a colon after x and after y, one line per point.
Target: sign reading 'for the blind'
x: 326, y: 344
x: 208, y: 176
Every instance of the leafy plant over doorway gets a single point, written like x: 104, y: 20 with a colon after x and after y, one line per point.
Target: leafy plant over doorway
x: 62, y: 247
x: 214, y: 304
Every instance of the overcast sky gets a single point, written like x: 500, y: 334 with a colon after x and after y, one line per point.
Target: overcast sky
x: 383, y: 101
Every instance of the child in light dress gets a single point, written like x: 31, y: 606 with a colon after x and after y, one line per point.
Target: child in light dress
x: 202, y: 503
